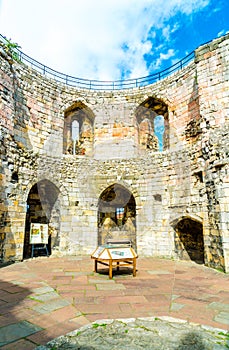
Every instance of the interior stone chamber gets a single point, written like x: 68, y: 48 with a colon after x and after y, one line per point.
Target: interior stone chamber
x: 149, y: 164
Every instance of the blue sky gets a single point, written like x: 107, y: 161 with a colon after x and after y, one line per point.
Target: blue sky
x: 112, y: 39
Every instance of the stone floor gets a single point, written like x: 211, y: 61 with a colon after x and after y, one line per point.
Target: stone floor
x: 43, y: 298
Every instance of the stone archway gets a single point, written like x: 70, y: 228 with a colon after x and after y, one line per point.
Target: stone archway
x: 189, y: 242
x: 116, y: 215
x: 43, y: 207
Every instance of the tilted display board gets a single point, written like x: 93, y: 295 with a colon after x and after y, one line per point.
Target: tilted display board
x: 115, y: 256
x: 107, y: 252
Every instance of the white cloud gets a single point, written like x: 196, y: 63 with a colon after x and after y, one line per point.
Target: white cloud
x: 162, y: 57
x: 223, y: 32
x: 86, y: 38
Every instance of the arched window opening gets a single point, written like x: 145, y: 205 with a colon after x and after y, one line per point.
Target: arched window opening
x: 189, y: 243
x: 147, y: 139
x: 75, y: 134
x: 116, y: 215
x: 42, y: 208
x: 152, y: 120
x: 159, y: 129
x: 78, y: 130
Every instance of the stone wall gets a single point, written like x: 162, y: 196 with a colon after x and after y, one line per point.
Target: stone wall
x: 177, y: 191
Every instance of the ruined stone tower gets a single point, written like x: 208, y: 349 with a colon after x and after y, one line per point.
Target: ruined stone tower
x: 148, y: 163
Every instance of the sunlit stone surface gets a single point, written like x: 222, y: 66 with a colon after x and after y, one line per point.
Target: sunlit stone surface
x: 152, y: 160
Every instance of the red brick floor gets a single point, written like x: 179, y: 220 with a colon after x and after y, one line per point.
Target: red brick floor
x: 62, y: 294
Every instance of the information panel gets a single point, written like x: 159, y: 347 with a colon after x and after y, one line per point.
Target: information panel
x: 38, y: 233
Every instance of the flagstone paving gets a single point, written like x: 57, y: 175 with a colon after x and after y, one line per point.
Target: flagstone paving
x: 45, y: 297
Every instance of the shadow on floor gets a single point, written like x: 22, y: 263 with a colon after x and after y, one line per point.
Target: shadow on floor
x: 12, y: 330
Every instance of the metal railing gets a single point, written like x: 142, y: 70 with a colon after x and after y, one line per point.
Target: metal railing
x: 98, y: 84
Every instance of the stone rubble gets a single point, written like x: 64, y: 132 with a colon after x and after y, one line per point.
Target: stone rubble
x: 152, y: 333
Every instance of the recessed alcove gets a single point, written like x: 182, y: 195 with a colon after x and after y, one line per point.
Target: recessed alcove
x: 189, y: 242
x: 116, y: 215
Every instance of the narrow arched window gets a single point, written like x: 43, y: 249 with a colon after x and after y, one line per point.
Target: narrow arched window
x: 78, y: 133
x: 156, y: 112
x: 75, y: 134
x: 159, y: 128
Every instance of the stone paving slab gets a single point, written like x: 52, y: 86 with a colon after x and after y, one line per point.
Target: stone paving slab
x: 42, y: 290
x: 222, y: 317
x: 219, y: 306
x: 13, y: 332
x: 50, y: 306
x: 176, y: 306
x: 45, y: 296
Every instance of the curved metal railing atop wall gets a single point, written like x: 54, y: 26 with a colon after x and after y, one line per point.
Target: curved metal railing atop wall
x: 98, y: 84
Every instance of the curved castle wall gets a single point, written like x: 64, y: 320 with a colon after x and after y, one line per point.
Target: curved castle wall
x: 178, y: 192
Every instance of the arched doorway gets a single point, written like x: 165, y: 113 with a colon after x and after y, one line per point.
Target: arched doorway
x: 189, y: 243
x: 43, y: 208
x: 116, y: 215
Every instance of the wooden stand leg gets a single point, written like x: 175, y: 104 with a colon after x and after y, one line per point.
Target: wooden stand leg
x: 118, y: 266
x: 110, y: 269
x: 134, y: 267
x: 96, y: 266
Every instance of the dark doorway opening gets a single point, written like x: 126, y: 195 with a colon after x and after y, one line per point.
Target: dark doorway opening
x: 189, y: 241
x: 42, y: 208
